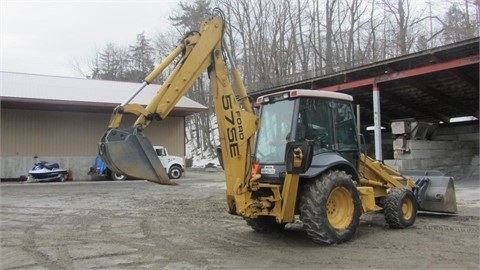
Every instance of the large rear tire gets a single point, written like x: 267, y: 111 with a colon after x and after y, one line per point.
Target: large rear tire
x: 265, y: 224
x: 330, y: 208
x: 400, y: 208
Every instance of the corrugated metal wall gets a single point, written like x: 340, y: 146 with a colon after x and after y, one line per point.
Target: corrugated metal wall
x: 49, y: 133
x: 169, y: 133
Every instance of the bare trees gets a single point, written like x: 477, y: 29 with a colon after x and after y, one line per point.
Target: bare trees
x: 200, y: 126
x: 459, y: 22
x: 276, y: 40
x: 291, y: 39
x: 279, y: 41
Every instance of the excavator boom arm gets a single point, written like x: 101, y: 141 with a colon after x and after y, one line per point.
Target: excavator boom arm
x: 194, y: 60
x: 127, y: 151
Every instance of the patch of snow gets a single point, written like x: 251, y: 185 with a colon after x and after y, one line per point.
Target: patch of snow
x: 201, y: 162
x: 202, y: 157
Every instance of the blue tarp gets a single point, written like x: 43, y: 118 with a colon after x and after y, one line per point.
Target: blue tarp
x: 100, y: 166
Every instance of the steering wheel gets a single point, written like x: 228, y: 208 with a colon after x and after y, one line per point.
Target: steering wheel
x: 322, y: 139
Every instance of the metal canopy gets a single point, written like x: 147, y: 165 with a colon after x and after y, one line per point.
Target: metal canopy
x: 434, y: 85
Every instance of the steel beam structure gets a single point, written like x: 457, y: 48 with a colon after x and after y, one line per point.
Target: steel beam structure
x: 443, y: 66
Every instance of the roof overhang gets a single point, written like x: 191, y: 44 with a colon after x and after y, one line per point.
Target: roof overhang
x: 39, y: 92
x: 75, y: 106
x: 435, y: 85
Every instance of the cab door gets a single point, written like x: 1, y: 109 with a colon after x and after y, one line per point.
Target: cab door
x: 345, y: 134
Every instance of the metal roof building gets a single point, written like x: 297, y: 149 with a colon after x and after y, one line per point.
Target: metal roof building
x: 31, y: 91
x: 61, y: 119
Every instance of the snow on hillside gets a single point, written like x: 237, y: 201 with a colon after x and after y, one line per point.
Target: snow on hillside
x: 199, y: 156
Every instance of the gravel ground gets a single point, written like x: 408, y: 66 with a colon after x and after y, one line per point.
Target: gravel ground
x: 142, y: 225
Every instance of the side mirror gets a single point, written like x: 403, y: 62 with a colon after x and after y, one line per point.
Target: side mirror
x: 294, y: 151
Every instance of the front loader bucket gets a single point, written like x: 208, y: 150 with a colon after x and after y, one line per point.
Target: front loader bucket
x: 130, y: 153
x: 435, y: 192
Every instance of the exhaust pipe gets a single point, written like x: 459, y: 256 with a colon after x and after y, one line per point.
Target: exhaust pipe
x: 129, y: 152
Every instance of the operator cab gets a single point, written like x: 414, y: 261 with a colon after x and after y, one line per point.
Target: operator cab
x: 326, y: 118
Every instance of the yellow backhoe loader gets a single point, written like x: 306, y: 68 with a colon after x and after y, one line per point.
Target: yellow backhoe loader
x: 298, y: 158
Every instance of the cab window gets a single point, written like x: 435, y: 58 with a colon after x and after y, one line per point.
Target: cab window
x: 346, y: 139
x: 313, y: 124
x: 160, y: 152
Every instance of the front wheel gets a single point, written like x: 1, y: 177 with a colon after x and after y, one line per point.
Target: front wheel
x: 400, y: 208
x: 330, y: 208
x: 175, y: 172
x: 116, y: 176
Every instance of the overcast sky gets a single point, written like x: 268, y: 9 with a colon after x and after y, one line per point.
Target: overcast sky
x: 44, y: 37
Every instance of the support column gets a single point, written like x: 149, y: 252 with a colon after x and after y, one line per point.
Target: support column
x: 377, y: 121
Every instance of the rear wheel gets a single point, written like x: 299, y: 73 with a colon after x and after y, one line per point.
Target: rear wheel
x: 264, y: 224
x: 330, y: 208
x: 175, y: 172
x: 400, y: 208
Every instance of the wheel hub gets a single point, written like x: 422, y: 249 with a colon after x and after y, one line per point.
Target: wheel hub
x: 340, y: 208
x: 407, y: 209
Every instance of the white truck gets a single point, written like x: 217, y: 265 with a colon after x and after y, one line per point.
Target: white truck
x: 173, y: 165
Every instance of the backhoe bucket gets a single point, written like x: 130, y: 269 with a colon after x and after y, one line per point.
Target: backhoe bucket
x: 130, y: 153
x: 435, y: 192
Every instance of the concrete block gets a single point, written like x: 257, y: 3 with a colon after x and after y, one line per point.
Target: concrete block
x: 454, y: 151
x: 455, y: 130
x: 472, y: 137
x: 403, y: 164
x: 435, y: 145
x: 475, y: 161
x: 434, y: 163
x: 392, y: 164
x: 446, y: 137
x: 427, y: 154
